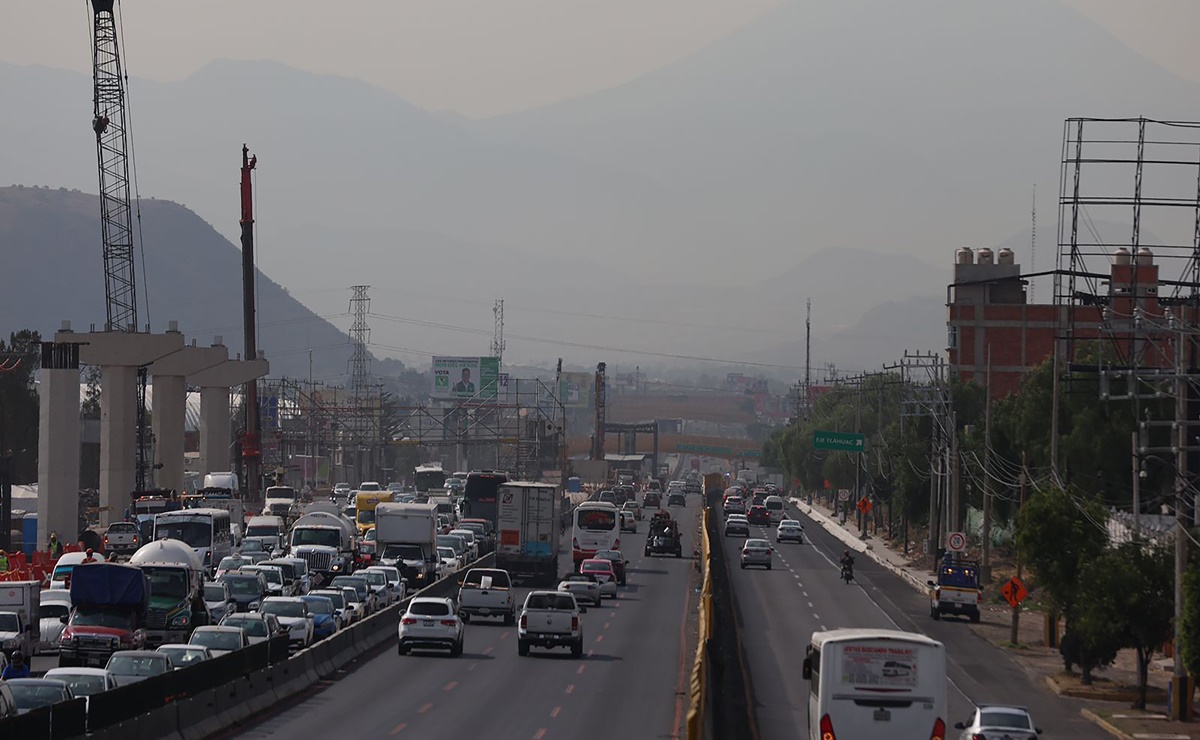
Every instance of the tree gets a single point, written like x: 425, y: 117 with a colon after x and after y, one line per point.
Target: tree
x: 1191, y: 620
x: 20, y: 358
x: 1059, y: 532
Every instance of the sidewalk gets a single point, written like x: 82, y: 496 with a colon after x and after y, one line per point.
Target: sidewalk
x: 1105, y: 704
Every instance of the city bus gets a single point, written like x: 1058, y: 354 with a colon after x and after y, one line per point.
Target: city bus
x: 875, y: 683
x: 594, y: 528
x: 479, y: 495
x: 429, y: 476
x: 205, y: 530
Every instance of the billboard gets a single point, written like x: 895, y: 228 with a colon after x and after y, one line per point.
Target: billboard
x: 465, y: 377
x: 575, y: 390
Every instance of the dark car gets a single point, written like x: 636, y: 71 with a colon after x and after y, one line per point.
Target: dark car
x: 624, y: 493
x: 676, y: 499
x: 247, y: 588
x: 759, y: 515
x: 652, y: 500
x: 618, y: 562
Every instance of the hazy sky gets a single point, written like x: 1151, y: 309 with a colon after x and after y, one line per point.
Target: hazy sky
x: 479, y: 57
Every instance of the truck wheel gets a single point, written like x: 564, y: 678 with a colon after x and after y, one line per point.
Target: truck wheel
x: 522, y: 648
x: 510, y: 619
x: 577, y: 649
x: 975, y: 617
x: 402, y: 649
x: 466, y: 618
x: 456, y: 649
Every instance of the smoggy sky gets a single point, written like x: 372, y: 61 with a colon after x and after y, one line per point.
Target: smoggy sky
x: 478, y: 57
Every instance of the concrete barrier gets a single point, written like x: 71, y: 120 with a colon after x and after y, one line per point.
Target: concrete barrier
x: 197, y: 717
x: 323, y: 657
x: 262, y: 691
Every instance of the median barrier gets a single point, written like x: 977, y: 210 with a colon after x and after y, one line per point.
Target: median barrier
x: 262, y: 691
x: 231, y: 702
x: 197, y: 717
x: 323, y: 656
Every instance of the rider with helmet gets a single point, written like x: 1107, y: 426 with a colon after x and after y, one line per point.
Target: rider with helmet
x: 847, y: 562
x: 17, y: 669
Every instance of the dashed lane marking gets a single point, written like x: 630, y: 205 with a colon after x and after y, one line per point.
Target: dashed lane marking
x: 554, y: 712
x: 425, y: 708
x: 539, y: 734
x: 580, y: 671
x: 570, y: 688
x: 606, y: 624
x: 399, y: 728
x: 450, y: 686
x: 504, y: 635
x: 488, y: 649
x: 599, y: 638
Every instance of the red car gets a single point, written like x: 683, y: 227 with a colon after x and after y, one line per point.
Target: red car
x: 652, y: 500
x: 759, y: 515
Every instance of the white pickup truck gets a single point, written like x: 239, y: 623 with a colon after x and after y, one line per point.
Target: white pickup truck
x: 550, y: 619
x: 486, y: 592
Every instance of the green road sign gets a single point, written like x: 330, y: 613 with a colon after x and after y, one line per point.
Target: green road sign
x: 839, y: 441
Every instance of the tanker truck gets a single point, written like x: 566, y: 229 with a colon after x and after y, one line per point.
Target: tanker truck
x: 326, y: 541
x: 176, y: 578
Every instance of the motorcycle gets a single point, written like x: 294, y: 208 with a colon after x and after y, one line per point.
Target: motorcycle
x: 847, y: 573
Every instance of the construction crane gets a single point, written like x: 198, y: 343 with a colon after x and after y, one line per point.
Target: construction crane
x: 112, y: 144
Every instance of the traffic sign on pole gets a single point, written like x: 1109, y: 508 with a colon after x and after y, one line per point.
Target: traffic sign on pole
x: 1014, y: 592
x: 843, y: 494
x: 956, y: 542
x: 839, y: 441
x: 864, y: 505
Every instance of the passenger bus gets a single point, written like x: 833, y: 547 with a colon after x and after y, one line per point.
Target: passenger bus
x: 205, y: 530
x: 875, y: 683
x: 429, y: 476
x: 594, y: 528
x: 479, y: 495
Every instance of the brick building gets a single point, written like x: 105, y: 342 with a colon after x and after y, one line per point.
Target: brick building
x: 988, y: 309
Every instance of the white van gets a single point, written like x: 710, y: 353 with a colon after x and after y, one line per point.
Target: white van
x: 774, y: 506
x: 875, y: 683
x: 61, y: 577
x: 268, y: 530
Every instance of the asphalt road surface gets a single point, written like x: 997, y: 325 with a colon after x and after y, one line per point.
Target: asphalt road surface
x: 803, y: 593
x: 631, y: 683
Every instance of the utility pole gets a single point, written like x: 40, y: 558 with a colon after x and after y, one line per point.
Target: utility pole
x: 1181, y: 687
x: 858, y: 458
x: 252, y: 443
x: 807, y: 359
x: 1014, y: 635
x: 985, y: 568
x: 1137, y: 487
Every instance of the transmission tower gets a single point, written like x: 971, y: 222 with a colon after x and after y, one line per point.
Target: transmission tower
x: 112, y: 144
x: 498, y: 332
x: 807, y: 398
x: 1033, y: 243
x: 360, y: 336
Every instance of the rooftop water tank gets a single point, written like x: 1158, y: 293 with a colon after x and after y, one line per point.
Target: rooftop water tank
x: 1005, y: 256
x: 1145, y: 257
x: 964, y: 256
x: 1121, y: 257
x: 983, y: 256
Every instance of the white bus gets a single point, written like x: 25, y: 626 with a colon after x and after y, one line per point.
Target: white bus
x: 594, y: 529
x: 205, y: 530
x: 875, y: 683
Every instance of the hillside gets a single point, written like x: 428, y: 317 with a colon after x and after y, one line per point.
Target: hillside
x: 51, y: 244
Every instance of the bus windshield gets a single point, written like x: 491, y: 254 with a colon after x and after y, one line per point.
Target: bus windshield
x: 596, y: 520
x: 194, y: 533
x: 426, y: 477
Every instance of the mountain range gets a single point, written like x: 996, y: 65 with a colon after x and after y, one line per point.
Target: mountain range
x: 832, y: 151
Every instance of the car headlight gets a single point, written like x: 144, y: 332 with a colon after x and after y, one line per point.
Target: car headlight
x: 254, y: 605
x: 337, y: 566
x: 181, y: 620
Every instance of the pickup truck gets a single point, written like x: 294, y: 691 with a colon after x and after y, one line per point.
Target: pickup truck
x: 956, y: 590
x: 486, y: 592
x: 550, y: 619
x: 122, y: 537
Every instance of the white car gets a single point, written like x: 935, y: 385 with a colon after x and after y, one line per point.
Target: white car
x: 395, y: 580
x: 219, y: 639
x: 472, y: 543
x: 790, y: 530
x: 384, y: 595
x: 448, y: 560
x: 601, y: 570
x: 997, y: 721
x: 584, y: 586
x: 232, y: 562
x: 255, y: 626
x: 55, y: 604
x: 84, y: 681
x: 292, y: 613
x: 358, y: 610
x: 218, y: 600
x: 431, y: 622
x: 184, y: 655
x: 737, y: 524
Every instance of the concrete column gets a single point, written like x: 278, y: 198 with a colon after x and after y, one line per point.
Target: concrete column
x: 170, y: 399
x: 215, y: 430
x: 215, y: 382
x: 119, y: 356
x: 118, y: 440
x: 167, y: 421
x: 58, y: 444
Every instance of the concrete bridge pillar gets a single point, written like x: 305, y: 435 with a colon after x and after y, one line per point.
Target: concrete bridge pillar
x: 58, y: 443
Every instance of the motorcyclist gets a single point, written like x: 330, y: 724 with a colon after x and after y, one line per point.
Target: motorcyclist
x: 17, y: 669
x: 847, y: 562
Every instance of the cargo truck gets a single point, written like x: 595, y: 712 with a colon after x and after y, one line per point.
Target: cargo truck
x: 326, y: 540
x: 20, y: 618
x: 406, y: 537
x: 108, y: 613
x: 527, y: 524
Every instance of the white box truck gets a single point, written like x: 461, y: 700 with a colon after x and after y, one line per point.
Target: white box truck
x: 527, y: 530
x: 406, y: 537
x: 20, y: 620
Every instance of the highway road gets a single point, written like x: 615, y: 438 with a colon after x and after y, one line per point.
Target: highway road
x: 803, y: 593
x: 632, y: 682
